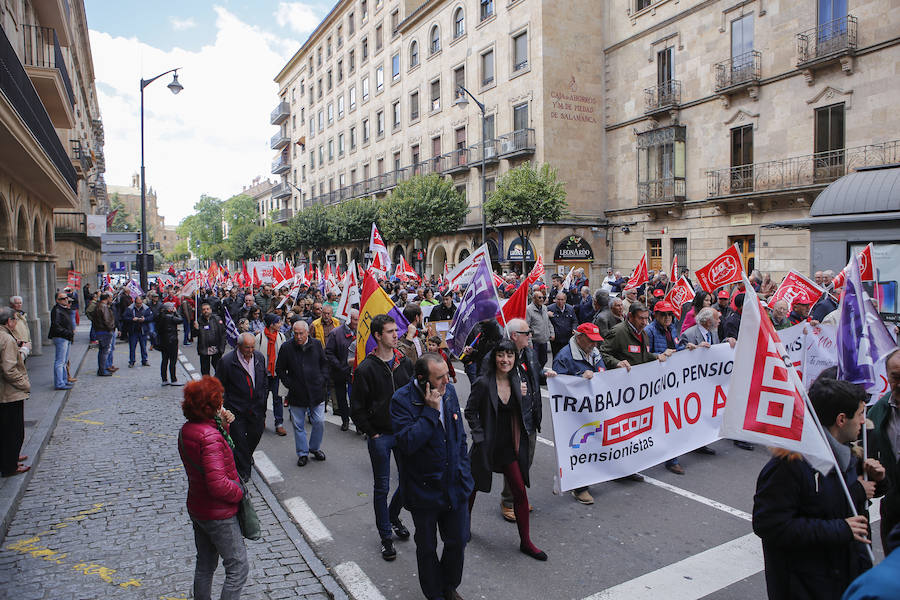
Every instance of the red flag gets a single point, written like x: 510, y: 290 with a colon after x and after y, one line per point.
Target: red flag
x: 515, y: 305
x: 256, y: 282
x: 498, y: 281
x: 110, y: 217
x: 796, y: 288
x: 674, y: 275
x: 407, y: 269
x: 378, y: 267
x: 212, y: 273
x: 866, y: 268
x: 639, y: 275
x: 245, y: 276
x: 171, y: 270
x: 537, y: 271
x: 288, y: 272
x: 722, y: 270
x: 679, y: 294
x: 276, y: 274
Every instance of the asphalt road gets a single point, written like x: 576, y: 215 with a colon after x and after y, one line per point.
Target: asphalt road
x: 689, y: 541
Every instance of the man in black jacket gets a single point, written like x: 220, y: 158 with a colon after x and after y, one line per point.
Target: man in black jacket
x: 243, y: 375
x: 210, y: 338
x: 337, y: 351
x: 445, y: 310
x: 563, y: 320
x: 62, y: 333
x: 812, y: 545
x: 377, y: 377
x: 302, y: 368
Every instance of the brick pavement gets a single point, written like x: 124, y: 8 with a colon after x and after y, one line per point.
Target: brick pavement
x: 104, y: 515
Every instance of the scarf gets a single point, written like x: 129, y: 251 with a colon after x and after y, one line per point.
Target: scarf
x: 220, y: 425
x: 270, y: 350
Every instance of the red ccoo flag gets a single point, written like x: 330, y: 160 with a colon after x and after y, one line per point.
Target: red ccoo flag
x: 639, y: 275
x: 679, y: 294
x: 722, y: 270
x: 674, y: 275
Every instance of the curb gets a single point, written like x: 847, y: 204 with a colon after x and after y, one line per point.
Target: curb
x: 318, y: 568
x: 12, y: 493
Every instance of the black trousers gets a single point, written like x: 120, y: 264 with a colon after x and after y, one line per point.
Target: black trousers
x: 246, y: 431
x: 439, y: 576
x: 209, y: 359
x: 12, y: 435
x: 556, y: 345
x: 340, y: 394
x: 169, y: 361
x: 541, y: 349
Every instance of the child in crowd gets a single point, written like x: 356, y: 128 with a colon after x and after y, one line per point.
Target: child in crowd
x: 434, y: 345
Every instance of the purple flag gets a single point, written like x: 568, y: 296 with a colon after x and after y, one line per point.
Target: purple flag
x: 862, y: 336
x: 479, y: 302
x: 231, y: 331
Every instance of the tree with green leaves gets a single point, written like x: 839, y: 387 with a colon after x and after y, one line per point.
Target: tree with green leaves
x: 351, y: 221
x: 310, y: 229
x: 526, y: 197
x: 261, y: 241
x: 422, y: 207
x: 204, y: 226
x: 282, y: 240
x: 240, y: 210
x: 239, y: 242
x: 123, y: 221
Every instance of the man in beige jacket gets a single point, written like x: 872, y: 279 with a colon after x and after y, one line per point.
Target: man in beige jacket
x: 14, y: 389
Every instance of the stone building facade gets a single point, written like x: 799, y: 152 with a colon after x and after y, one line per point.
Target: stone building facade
x: 723, y: 118
x: 51, y: 154
x: 370, y: 99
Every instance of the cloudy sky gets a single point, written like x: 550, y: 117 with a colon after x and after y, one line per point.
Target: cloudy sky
x: 213, y: 137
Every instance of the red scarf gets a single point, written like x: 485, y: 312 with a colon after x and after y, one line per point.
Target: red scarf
x: 270, y: 351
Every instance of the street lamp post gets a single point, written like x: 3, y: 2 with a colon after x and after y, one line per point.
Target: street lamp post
x: 463, y: 102
x: 174, y: 87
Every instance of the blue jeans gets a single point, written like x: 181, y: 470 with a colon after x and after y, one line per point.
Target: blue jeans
x: 214, y: 539
x: 298, y: 417
x: 380, y: 455
x: 133, y: 340
x: 152, y: 332
x: 187, y: 329
x: 277, y: 404
x: 60, y: 378
x: 104, y: 356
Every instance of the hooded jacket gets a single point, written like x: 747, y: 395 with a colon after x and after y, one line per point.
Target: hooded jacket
x: 374, y: 383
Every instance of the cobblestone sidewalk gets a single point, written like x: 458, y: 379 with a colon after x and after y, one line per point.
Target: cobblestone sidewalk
x: 104, y: 515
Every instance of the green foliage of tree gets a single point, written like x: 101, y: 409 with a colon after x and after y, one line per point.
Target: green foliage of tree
x: 240, y: 210
x: 239, y: 242
x: 422, y: 207
x: 351, y: 220
x: 526, y: 197
x: 261, y: 241
x: 219, y: 252
x: 283, y: 240
x: 310, y: 229
x: 205, y: 225
x: 123, y: 221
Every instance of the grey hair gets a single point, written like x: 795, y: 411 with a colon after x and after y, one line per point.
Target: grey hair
x: 601, y: 297
x: 303, y: 324
x: 782, y: 301
x: 14, y: 299
x: 242, y: 339
x: 515, y: 325
x: 705, y: 316
x: 6, y: 314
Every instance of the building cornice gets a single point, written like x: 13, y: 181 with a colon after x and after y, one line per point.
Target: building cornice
x: 313, y: 37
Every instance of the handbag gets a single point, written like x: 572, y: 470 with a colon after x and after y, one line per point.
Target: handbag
x: 247, y: 518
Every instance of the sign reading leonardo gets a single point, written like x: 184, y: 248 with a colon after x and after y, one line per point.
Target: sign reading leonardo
x: 573, y: 247
x: 514, y: 251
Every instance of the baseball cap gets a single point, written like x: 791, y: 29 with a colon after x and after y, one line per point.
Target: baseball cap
x: 723, y: 294
x: 663, y: 307
x: 658, y: 293
x: 590, y: 330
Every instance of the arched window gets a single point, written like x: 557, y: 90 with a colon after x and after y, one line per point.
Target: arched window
x: 413, y: 54
x: 459, y: 23
x: 435, y: 39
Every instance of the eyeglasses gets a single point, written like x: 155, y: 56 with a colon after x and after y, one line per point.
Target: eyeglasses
x: 526, y: 332
x: 63, y: 298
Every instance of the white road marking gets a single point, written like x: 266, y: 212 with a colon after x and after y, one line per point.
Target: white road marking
x: 188, y: 366
x: 267, y: 468
x: 698, y: 498
x: 695, y: 576
x: 196, y: 376
x: 357, y: 582
x: 314, y: 529
x: 544, y: 440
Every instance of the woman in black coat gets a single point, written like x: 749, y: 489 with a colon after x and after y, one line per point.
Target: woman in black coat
x: 167, y: 342
x: 499, y: 416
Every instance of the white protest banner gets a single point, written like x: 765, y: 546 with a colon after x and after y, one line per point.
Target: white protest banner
x: 620, y: 422
x: 820, y: 351
x: 463, y: 273
x: 794, y: 340
x: 264, y: 269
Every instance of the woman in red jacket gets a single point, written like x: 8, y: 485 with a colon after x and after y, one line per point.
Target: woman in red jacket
x: 214, y: 489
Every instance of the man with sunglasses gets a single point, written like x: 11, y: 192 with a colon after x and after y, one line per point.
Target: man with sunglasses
x: 62, y: 332
x: 533, y: 375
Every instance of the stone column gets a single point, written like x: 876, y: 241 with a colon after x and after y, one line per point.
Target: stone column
x: 28, y: 279
x: 45, y: 277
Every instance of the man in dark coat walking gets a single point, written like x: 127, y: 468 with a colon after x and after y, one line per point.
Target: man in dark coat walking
x: 337, y: 351
x: 243, y: 375
x: 210, y: 337
x: 436, y: 477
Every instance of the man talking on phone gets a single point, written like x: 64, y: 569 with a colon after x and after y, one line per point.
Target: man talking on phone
x: 378, y: 376
x: 436, y: 477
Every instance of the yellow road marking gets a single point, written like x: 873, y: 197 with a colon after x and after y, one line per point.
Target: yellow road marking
x: 76, y: 417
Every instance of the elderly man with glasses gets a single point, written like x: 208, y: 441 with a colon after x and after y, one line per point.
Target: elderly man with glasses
x: 533, y: 375
x: 62, y: 332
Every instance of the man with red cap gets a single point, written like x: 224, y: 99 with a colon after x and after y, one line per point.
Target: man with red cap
x: 580, y: 357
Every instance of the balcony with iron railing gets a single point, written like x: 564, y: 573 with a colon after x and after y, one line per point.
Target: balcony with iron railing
x: 72, y: 226
x: 280, y: 114
x: 17, y: 87
x: 280, y: 140
x: 81, y: 158
x: 811, y: 172
x: 281, y: 190
x: 826, y: 42
x: 738, y: 72
x: 661, y: 191
x: 517, y: 143
x: 491, y: 150
x: 44, y: 63
x: 455, y: 161
x: 664, y: 96
x: 55, y: 14
x: 282, y: 216
x: 282, y: 164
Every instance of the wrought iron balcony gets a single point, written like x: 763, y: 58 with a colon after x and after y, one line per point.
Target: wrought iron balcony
x: 280, y: 140
x: 828, y: 40
x: 281, y: 190
x: 55, y: 14
x: 282, y: 216
x: 72, y: 227
x: 20, y: 93
x: 45, y: 66
x: 491, y: 152
x: 280, y: 114
x: 282, y: 164
x: 738, y: 71
x: 455, y: 162
x: 516, y: 143
x: 662, y: 97
x: 800, y: 172
x: 659, y: 191
x: 81, y: 158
